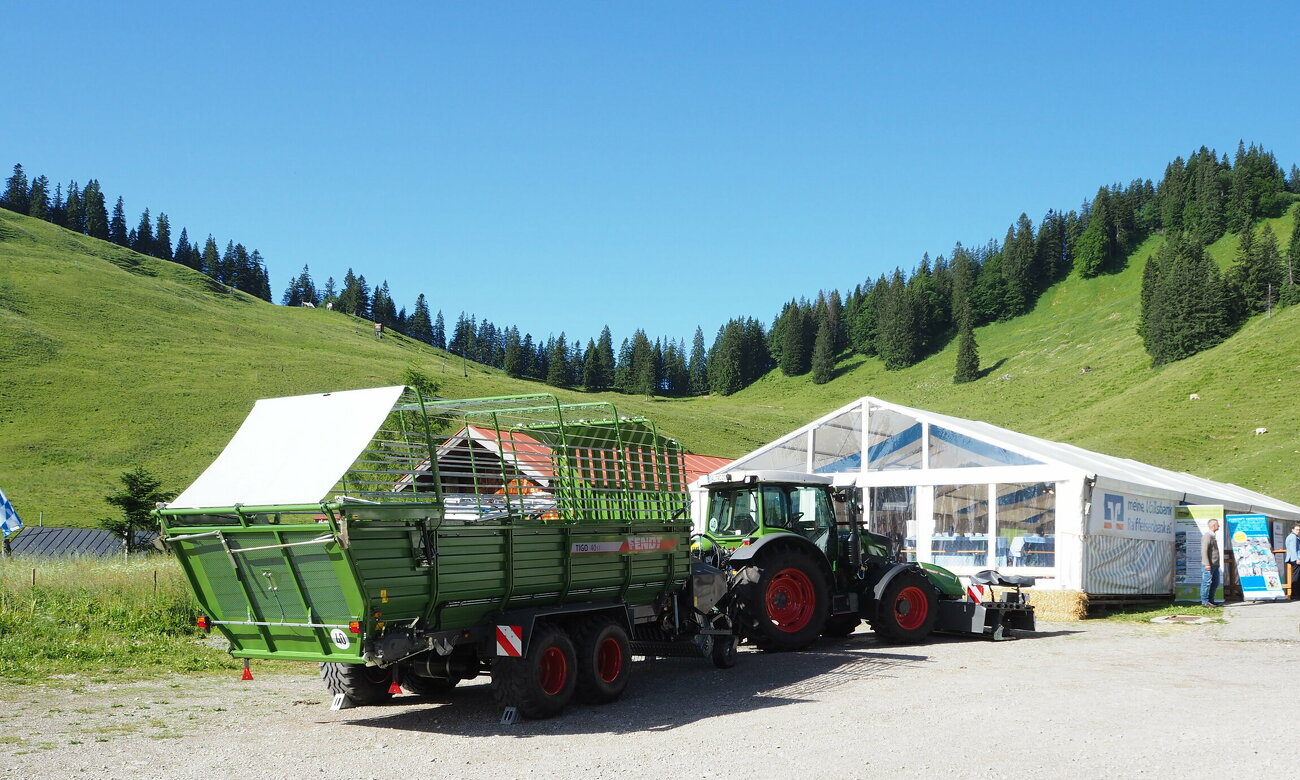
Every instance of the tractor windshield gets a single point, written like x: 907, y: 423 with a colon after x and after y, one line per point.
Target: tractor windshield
x: 805, y: 510
x: 733, y: 512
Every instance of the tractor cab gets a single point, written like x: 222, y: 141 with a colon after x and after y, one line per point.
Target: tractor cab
x: 752, y: 505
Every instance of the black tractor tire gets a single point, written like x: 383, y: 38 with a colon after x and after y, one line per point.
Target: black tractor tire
x: 907, y: 610
x: 840, y: 626
x: 604, y: 661
x: 363, y: 685
x: 725, y: 650
x: 541, y: 683
x: 427, y: 687
x: 783, y: 598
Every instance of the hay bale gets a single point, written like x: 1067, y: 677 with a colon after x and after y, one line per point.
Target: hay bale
x: 1058, y: 605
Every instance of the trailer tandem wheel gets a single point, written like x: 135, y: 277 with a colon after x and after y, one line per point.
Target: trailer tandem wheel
x: 428, y: 687
x: 363, y: 685
x: 604, y: 661
x: 543, y: 681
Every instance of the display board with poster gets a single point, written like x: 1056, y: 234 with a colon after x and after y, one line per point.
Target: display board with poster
x: 1190, y: 524
x: 1257, y: 567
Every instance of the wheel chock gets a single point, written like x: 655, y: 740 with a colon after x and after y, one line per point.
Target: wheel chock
x: 510, y: 716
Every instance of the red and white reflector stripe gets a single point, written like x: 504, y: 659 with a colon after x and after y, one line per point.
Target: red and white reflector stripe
x: 510, y: 641
x: 979, y: 593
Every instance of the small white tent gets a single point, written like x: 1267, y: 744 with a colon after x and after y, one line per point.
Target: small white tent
x: 968, y: 495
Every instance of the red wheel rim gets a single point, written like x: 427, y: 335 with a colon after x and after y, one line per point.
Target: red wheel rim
x: 553, y: 670
x: 911, y: 608
x: 609, y: 659
x: 791, y: 600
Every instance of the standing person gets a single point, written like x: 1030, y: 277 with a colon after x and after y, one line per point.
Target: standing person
x: 1210, y: 565
x: 1293, y: 559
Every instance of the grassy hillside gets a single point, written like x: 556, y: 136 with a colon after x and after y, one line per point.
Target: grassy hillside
x: 109, y: 358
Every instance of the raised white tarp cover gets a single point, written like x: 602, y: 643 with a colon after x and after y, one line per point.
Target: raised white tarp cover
x: 292, y: 450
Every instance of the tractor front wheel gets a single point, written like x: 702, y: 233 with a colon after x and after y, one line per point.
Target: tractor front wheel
x: 784, y: 598
x: 542, y: 682
x: 907, y: 610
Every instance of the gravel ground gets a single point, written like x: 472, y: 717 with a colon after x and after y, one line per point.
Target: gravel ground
x: 1096, y: 698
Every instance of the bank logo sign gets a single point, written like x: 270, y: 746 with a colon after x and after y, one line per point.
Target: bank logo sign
x: 1137, y: 517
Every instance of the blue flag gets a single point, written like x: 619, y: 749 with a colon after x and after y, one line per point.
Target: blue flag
x: 10, y: 522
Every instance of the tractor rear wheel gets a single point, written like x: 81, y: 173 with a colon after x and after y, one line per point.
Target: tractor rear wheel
x: 542, y: 682
x: 604, y: 661
x: 783, y: 597
x: 363, y: 685
x: 907, y: 610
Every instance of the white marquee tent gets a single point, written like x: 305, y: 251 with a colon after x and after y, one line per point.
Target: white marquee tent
x: 969, y: 495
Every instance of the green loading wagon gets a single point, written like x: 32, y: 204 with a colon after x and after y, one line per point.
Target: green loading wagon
x: 399, y: 539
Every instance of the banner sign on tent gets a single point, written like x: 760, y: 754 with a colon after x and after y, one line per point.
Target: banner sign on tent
x: 1190, y: 524
x: 1133, y: 517
x: 1256, y: 566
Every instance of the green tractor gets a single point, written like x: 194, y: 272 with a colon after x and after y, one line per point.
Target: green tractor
x: 803, y: 565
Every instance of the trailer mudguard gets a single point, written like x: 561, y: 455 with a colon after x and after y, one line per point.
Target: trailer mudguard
x: 525, y: 621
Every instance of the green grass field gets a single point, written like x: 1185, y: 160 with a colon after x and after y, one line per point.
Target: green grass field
x: 109, y: 358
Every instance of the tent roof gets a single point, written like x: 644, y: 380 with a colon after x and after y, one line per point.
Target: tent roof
x: 1120, y: 473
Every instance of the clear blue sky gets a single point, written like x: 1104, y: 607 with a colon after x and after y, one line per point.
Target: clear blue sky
x: 562, y: 166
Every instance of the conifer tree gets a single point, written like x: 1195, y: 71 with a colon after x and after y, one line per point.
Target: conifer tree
x: 210, y: 260
x: 117, y: 230
x: 260, y: 285
x: 896, y: 333
x: 16, y: 190
x: 439, y: 331
x: 97, y: 223
x: 349, y: 301
x: 183, y: 249
x: 528, y: 352
x: 74, y: 210
x: 790, y: 339
x: 419, y: 326
x: 590, y: 369
x: 724, y: 361
x: 698, y: 368
x: 1257, y: 276
x: 558, y: 373
x: 968, y: 355
x: 1018, y: 267
x: 605, y: 360
x: 162, y: 240
x: 1290, y: 294
x: 58, y: 210
x: 676, y: 376
x: 143, y: 242
x: 38, y: 198
x: 1186, y: 310
x: 514, y: 357
x: 823, y: 357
